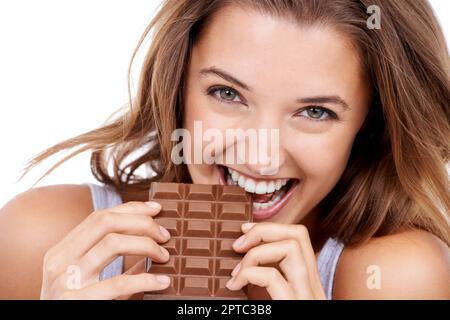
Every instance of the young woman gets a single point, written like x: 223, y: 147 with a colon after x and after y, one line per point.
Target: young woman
x: 360, y: 201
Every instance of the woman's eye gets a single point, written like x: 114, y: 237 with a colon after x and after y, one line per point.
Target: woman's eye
x: 225, y: 94
x: 317, y: 114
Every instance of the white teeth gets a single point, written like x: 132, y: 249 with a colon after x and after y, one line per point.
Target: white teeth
x: 241, y: 182
x: 265, y: 205
x: 270, y: 187
x: 278, y: 184
x: 261, y: 187
x: 250, y: 185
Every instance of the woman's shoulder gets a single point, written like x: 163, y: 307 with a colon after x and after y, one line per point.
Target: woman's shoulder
x: 62, y: 204
x: 412, y: 264
x: 31, y: 223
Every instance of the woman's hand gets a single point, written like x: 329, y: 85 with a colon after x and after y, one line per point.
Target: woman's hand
x: 287, y: 245
x: 72, y: 267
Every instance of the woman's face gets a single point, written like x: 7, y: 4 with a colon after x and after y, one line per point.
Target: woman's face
x: 305, y: 82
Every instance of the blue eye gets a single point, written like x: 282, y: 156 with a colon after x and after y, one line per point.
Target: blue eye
x: 225, y: 94
x: 316, y: 113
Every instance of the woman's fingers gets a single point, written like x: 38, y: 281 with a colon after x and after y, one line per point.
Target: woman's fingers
x: 269, y: 278
x: 115, y: 244
x: 138, y: 268
x: 270, y: 232
x: 119, y: 287
x: 130, y: 218
x: 266, y: 232
x: 291, y: 262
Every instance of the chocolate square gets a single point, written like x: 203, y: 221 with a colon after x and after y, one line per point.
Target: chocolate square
x: 203, y: 220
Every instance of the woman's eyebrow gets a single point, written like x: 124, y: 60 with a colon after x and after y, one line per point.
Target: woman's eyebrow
x: 326, y: 99
x: 333, y: 99
x: 224, y: 75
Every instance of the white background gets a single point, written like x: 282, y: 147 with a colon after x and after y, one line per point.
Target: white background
x: 63, y: 71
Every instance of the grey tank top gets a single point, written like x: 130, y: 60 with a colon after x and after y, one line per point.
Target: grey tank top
x: 105, y: 197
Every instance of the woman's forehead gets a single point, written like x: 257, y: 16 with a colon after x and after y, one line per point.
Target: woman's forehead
x: 263, y: 51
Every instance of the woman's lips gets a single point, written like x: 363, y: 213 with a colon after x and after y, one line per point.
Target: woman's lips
x: 266, y: 213
x: 263, y: 214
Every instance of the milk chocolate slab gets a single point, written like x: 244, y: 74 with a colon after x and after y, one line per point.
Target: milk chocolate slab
x: 203, y: 220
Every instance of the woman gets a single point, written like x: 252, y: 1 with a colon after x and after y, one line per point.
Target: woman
x: 359, y: 201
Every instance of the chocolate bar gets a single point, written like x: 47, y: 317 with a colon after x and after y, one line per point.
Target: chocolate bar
x: 204, y: 221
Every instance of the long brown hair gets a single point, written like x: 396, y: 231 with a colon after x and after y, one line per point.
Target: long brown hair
x: 396, y: 176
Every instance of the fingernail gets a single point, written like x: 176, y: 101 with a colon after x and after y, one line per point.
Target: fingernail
x: 247, y: 226
x: 164, y: 251
x: 229, y: 283
x: 163, y: 279
x: 164, y: 232
x: 239, y: 242
x: 236, y: 269
x: 153, y: 205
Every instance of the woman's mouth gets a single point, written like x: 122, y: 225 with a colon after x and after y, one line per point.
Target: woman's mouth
x: 269, y: 196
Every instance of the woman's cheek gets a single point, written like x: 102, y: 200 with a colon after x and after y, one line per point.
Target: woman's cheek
x: 323, y: 159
